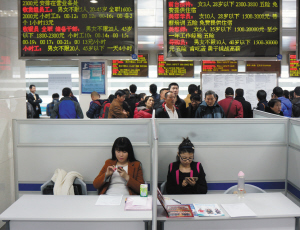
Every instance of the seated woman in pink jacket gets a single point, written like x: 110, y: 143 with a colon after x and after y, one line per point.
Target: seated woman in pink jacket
x: 144, y: 108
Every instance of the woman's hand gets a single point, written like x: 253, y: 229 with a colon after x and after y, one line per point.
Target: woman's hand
x: 184, y: 183
x: 110, y: 170
x: 191, y: 181
x: 123, y: 173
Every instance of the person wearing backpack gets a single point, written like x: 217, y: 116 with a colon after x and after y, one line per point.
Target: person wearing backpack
x: 95, y: 106
x: 296, y: 103
x: 185, y: 176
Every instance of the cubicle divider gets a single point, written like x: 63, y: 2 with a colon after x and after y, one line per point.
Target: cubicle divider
x: 41, y: 146
x: 262, y: 114
x: 258, y: 147
x: 293, y: 178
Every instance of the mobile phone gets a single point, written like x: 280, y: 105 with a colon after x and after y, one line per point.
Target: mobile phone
x: 195, y: 178
x: 120, y: 167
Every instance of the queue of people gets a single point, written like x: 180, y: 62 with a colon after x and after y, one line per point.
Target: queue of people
x: 167, y: 104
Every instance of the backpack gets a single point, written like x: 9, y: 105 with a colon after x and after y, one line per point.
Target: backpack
x: 191, y: 173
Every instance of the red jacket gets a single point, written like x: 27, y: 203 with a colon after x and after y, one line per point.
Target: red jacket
x: 236, y: 109
x: 142, y: 112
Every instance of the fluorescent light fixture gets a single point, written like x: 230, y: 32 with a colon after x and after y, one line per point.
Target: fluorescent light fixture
x: 145, y: 42
x: 94, y: 1
x: 146, y: 12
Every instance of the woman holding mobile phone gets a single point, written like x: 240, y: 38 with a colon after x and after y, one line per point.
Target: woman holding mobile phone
x: 122, y: 174
x: 186, y: 176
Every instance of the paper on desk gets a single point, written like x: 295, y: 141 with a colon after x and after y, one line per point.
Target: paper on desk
x: 238, y: 210
x: 109, y: 200
x: 140, y: 201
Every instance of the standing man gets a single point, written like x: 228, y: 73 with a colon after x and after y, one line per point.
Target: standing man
x: 179, y: 103
x: 35, y: 101
x: 286, y: 104
x: 116, y: 109
x: 193, y: 89
x: 50, y: 106
x: 168, y: 108
x: 162, y: 94
x: 296, y: 102
x: 247, y: 109
x: 66, y: 108
x: 232, y: 108
x: 153, y: 91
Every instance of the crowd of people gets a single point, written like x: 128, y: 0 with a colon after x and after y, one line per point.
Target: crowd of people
x: 125, y: 103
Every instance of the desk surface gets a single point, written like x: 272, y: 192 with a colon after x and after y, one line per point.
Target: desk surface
x: 265, y: 205
x: 69, y: 208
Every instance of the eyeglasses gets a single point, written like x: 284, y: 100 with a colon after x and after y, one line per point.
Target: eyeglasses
x: 186, y: 159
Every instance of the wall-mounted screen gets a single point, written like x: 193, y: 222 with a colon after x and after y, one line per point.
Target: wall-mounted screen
x: 263, y: 66
x: 131, y: 68
x: 201, y: 28
x: 174, y: 68
x: 219, y: 66
x: 77, y: 28
x: 294, y: 67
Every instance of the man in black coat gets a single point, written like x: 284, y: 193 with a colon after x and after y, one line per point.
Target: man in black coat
x: 179, y: 103
x: 247, y: 110
x: 168, y: 109
x: 35, y: 101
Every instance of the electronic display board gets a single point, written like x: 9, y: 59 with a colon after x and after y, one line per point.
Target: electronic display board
x: 72, y: 28
x: 219, y: 66
x: 204, y: 28
x: 263, y: 66
x: 131, y: 68
x: 294, y: 67
x: 174, y: 68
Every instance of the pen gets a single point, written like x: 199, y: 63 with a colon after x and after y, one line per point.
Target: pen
x: 176, y: 201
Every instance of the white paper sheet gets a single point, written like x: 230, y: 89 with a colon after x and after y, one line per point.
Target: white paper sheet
x: 109, y: 200
x: 140, y: 201
x: 238, y: 210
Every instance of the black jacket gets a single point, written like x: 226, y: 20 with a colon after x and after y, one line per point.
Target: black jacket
x: 261, y: 105
x: 247, y: 110
x: 35, y: 103
x: 134, y: 98
x: 191, y: 112
x: 94, y: 110
x: 161, y: 112
x: 173, y: 187
x: 269, y: 110
x: 158, y: 104
x: 181, y: 105
x: 296, y: 107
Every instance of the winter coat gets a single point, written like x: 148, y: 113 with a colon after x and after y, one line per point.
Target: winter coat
x: 296, y: 107
x: 66, y: 108
x: 94, y: 110
x: 142, y: 112
x: 205, y: 111
x: 161, y: 112
x: 116, y: 110
x: 247, y: 110
x: 180, y: 104
x: 262, y: 104
x: 286, y: 106
x: 236, y: 109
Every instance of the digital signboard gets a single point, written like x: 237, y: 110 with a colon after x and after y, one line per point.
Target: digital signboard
x: 77, y: 28
x: 219, y: 66
x: 263, y: 66
x: 294, y: 66
x: 131, y: 68
x: 174, y: 68
x: 202, y: 28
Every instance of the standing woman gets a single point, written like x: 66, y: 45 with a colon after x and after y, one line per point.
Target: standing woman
x: 122, y: 174
x: 182, y: 173
x: 144, y: 108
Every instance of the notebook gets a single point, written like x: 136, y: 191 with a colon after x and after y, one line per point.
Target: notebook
x: 145, y: 206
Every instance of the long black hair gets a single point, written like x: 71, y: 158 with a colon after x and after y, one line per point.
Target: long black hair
x: 143, y: 103
x: 186, y: 146
x: 123, y: 144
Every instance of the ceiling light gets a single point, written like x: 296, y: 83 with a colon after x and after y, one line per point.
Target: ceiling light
x: 94, y: 1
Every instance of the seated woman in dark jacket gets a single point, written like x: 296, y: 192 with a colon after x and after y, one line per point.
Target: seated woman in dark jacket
x: 144, y: 108
x: 274, y: 107
x: 122, y: 174
x: 186, y: 176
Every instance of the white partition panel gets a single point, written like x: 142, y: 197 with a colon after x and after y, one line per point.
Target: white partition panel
x: 41, y: 146
x: 294, y: 159
x: 262, y: 114
x: 225, y: 146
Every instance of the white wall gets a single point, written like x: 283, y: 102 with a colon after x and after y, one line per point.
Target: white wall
x: 12, y: 97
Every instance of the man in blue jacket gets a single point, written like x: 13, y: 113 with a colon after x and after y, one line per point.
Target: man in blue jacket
x: 67, y: 108
x: 286, y: 104
x: 210, y: 108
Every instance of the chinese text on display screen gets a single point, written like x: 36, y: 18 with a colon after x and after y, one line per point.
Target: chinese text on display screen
x: 131, y: 68
x: 174, y: 68
x: 219, y: 66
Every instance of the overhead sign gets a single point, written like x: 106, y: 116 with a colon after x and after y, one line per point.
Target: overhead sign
x: 263, y: 66
x: 219, y: 66
x: 294, y: 66
x: 131, y: 68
